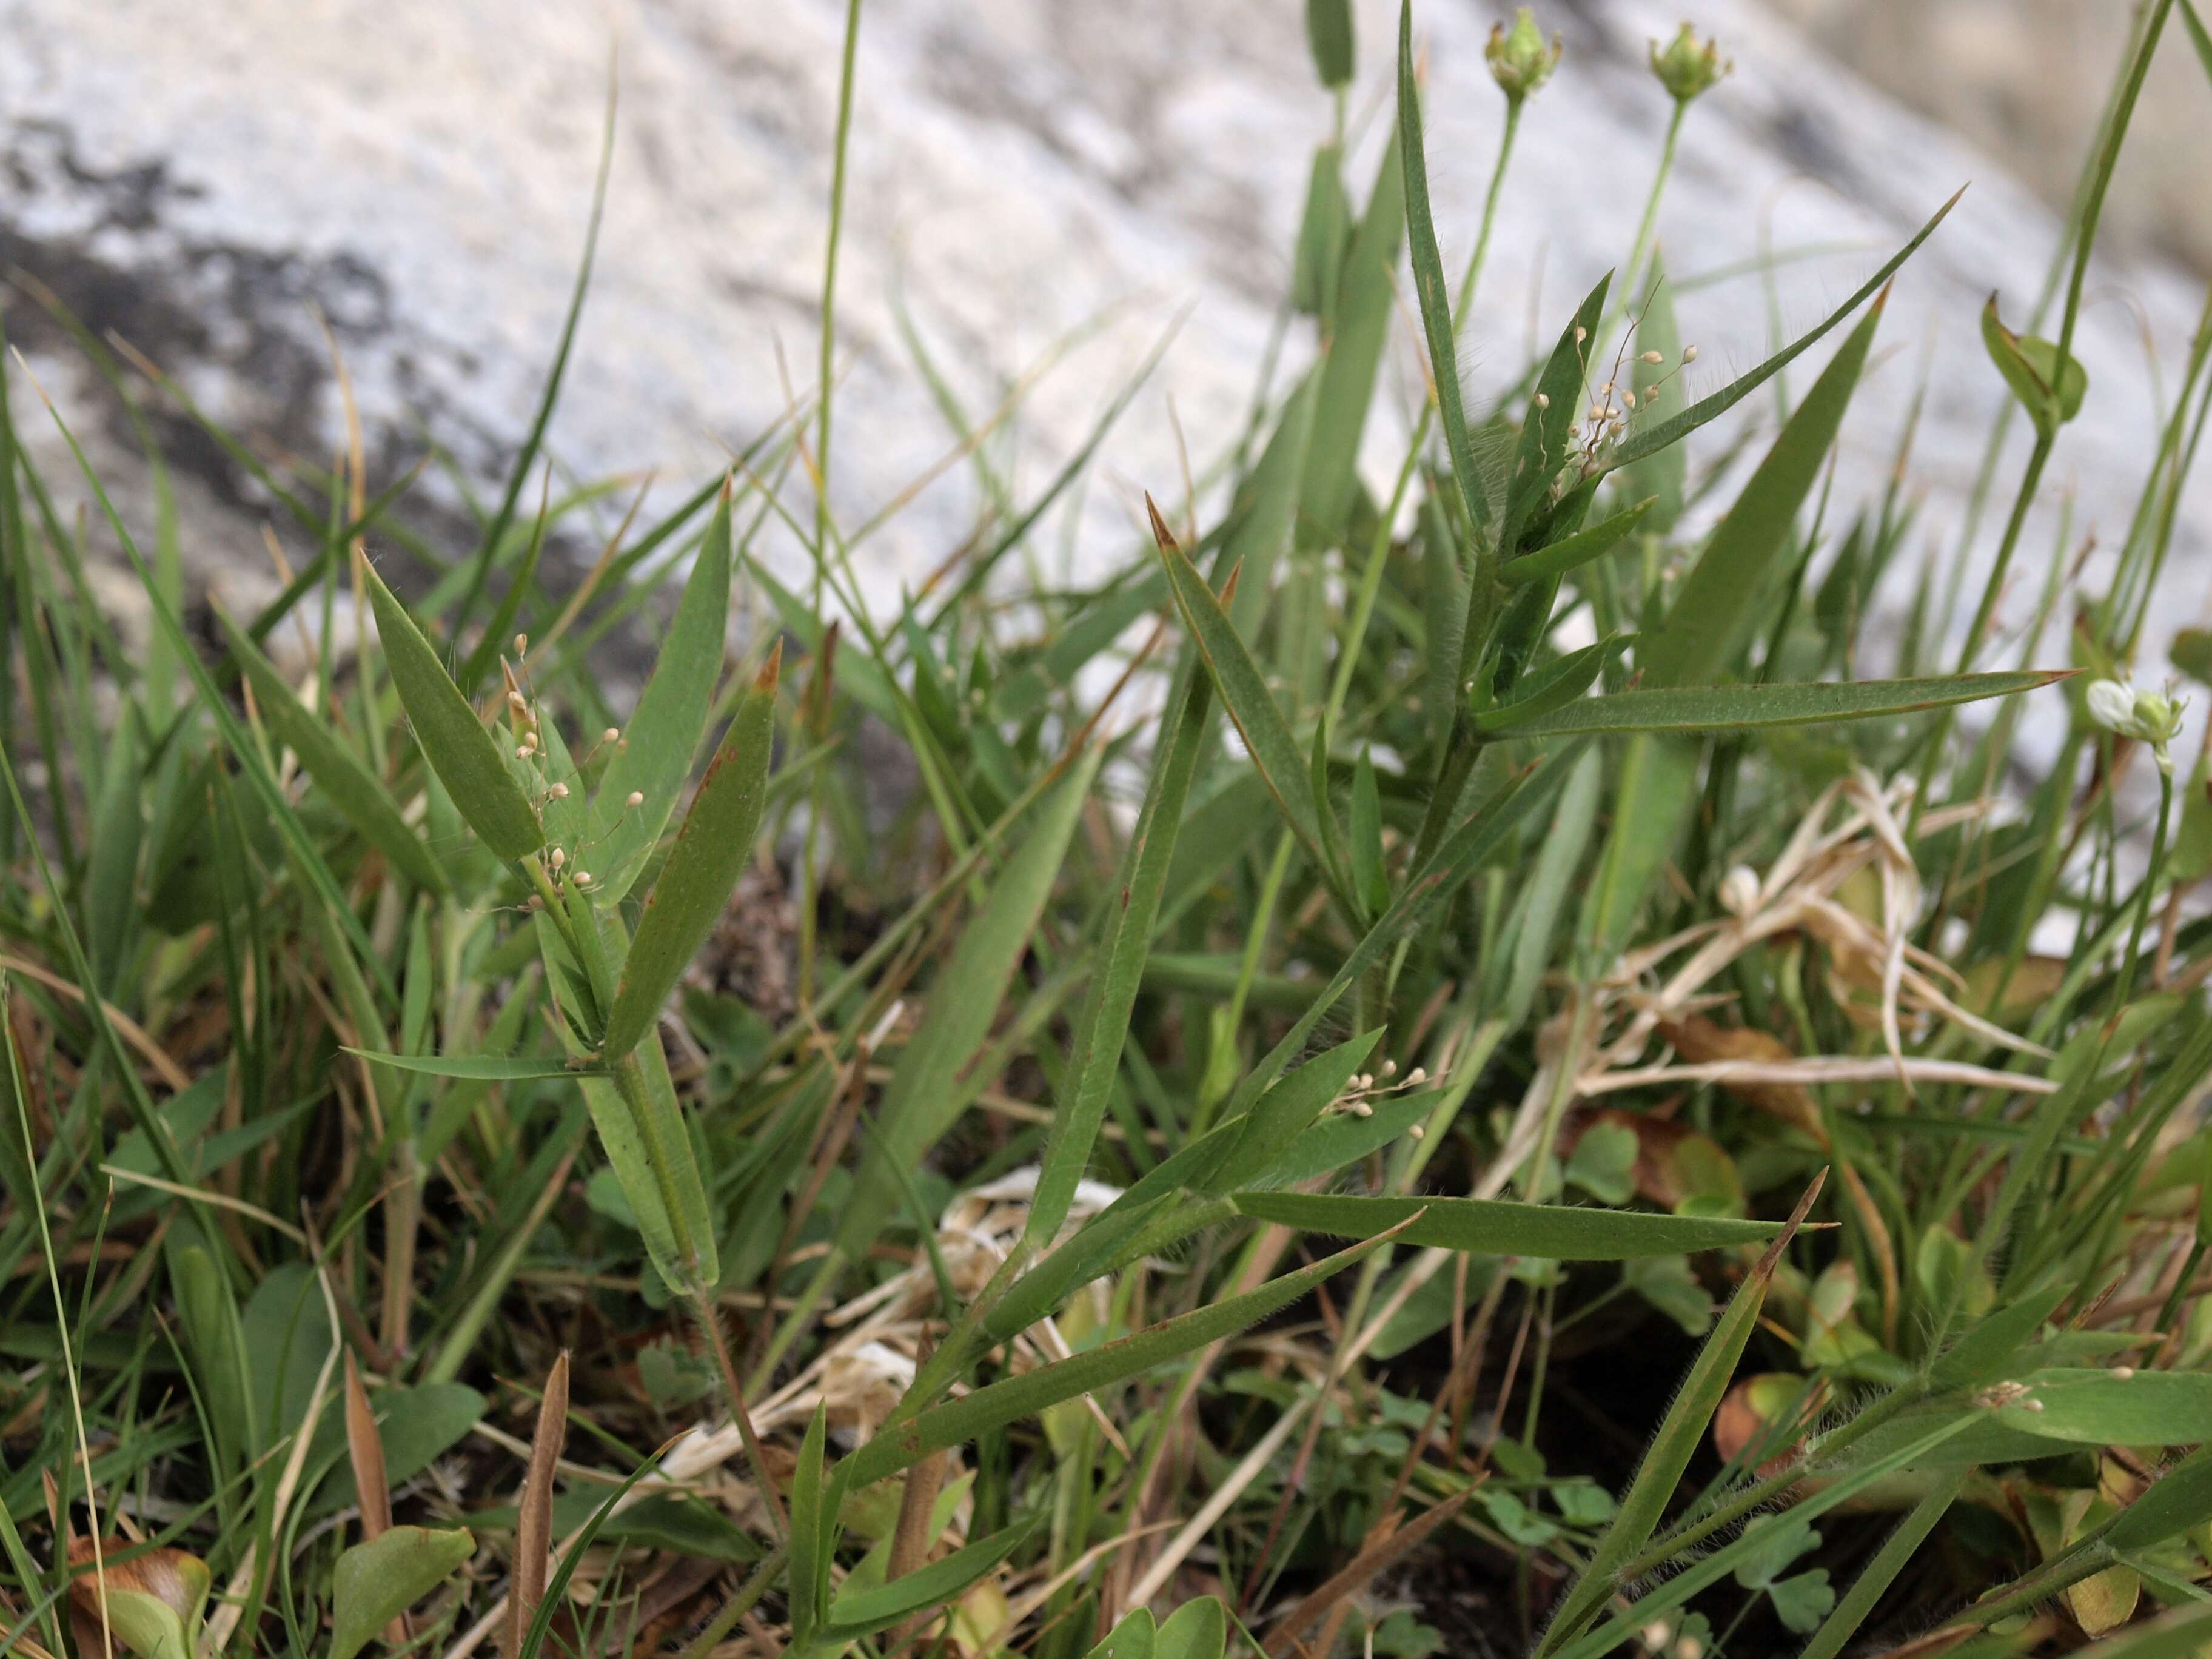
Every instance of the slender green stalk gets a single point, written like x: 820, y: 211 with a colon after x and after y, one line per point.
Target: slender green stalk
x: 810, y: 855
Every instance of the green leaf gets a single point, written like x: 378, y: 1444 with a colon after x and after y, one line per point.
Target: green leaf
x: 376, y: 1582
x: 1275, y: 753
x: 1196, y: 1629
x: 1344, y: 385
x: 1429, y: 282
x: 2052, y: 395
x: 1752, y: 707
x: 1680, y: 1434
x: 863, y: 1613
x: 812, y: 1524
x: 465, y: 757
x: 1710, y: 618
x: 1558, y: 685
x: 926, y: 1092
x: 899, y: 1445
x: 1280, y: 1115
x: 711, y: 852
x: 1496, y: 1227
x: 1132, y: 1638
x: 487, y: 1068
x: 1650, y: 441
x: 1104, y: 1023
x: 1328, y: 32
x: 654, y: 758
x: 1570, y: 553
x: 143, y: 1622
x: 1544, y: 443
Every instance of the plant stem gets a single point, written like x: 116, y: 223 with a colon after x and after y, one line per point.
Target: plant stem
x: 1625, y: 295
x: 710, y: 1323
x: 810, y: 853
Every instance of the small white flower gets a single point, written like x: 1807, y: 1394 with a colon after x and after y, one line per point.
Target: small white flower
x: 2112, y: 705
x: 2151, y: 717
x: 1740, y: 891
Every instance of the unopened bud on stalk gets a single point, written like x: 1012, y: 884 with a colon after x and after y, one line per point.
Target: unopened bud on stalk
x: 1686, y: 69
x: 1520, y: 62
x: 2150, y: 717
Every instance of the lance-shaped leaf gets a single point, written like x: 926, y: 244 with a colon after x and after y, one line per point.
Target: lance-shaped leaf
x: 1572, y: 552
x: 1750, y: 707
x: 863, y: 1613
x: 956, y: 1421
x: 376, y: 1582
x: 1706, y: 623
x: 1493, y: 1227
x: 1275, y: 752
x: 654, y: 758
x: 483, y: 1068
x: 1544, y: 441
x: 1649, y: 440
x: 1645, y: 1503
x: 710, y: 854
x: 1429, y: 282
x: 350, y: 787
x: 1557, y: 685
x: 465, y: 757
x: 1130, y: 923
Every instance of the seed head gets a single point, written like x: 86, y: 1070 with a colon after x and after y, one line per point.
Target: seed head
x: 582, y: 878
x: 559, y: 792
x: 1689, y: 354
x: 635, y: 798
x: 1520, y: 62
x: 1686, y: 69
x: 612, y: 734
x: 1655, y: 357
x: 522, y: 645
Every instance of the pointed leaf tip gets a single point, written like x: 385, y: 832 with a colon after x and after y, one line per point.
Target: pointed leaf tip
x: 771, y: 672
x: 1161, y: 533
x: 1767, y: 1262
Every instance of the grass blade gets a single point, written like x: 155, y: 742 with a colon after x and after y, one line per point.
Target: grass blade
x: 1680, y: 1433
x: 960, y: 1421
x: 1494, y: 1227
x: 1753, y: 708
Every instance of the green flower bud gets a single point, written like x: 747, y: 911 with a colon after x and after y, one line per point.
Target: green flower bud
x: 2149, y: 717
x: 1520, y: 62
x: 1686, y: 69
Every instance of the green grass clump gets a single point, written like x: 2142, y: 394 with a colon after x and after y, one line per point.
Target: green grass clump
x: 1528, y: 1146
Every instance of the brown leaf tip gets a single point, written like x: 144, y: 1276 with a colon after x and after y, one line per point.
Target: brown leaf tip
x: 772, y: 670
x: 1764, y: 1270
x: 1161, y: 533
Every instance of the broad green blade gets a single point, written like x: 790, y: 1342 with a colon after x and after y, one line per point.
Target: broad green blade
x: 654, y: 758
x: 711, y: 852
x: 1494, y: 1227
x: 1708, y: 620
x: 378, y: 1581
x: 465, y: 757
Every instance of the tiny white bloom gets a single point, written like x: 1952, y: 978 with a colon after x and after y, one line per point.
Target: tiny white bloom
x: 2112, y: 705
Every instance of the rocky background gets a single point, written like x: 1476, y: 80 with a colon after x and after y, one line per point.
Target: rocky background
x: 206, y: 180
